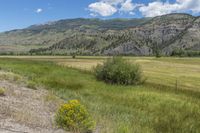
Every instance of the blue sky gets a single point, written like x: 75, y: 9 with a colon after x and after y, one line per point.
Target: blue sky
x: 15, y: 14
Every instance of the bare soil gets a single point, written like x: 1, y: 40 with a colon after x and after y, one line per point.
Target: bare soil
x: 24, y: 110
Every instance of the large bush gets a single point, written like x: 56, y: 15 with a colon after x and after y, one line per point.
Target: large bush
x: 119, y: 71
x: 74, y: 117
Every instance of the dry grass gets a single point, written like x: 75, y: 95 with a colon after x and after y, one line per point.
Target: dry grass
x: 167, y: 73
x: 9, y: 76
x: 83, y: 64
x: 52, y: 101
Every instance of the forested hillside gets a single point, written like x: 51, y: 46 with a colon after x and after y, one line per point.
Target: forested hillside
x: 166, y: 35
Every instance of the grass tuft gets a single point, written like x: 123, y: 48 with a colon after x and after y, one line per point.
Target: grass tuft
x: 32, y: 85
x: 2, y: 91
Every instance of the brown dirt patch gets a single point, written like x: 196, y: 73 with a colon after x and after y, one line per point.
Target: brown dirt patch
x: 25, y: 110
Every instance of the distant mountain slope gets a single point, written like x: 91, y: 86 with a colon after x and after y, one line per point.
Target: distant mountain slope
x: 144, y: 36
x: 88, y: 24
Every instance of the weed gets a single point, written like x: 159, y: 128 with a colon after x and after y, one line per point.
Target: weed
x: 2, y: 91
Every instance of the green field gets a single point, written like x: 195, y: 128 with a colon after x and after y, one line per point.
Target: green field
x: 169, y: 101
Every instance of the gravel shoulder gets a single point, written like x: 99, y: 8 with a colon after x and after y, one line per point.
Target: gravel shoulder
x: 24, y: 110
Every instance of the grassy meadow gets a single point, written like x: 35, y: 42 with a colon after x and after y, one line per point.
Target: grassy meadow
x: 168, y: 102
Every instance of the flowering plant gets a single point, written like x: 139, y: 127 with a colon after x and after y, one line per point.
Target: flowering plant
x: 74, y: 117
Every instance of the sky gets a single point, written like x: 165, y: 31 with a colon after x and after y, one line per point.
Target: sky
x: 17, y: 14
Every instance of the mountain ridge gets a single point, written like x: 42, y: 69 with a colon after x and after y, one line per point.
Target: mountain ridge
x: 145, y: 36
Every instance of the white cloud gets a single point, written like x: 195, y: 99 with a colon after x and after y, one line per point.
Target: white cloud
x: 155, y: 8
x: 193, y: 5
x: 102, y: 8
x: 39, y: 10
x: 129, y: 6
x: 109, y: 7
x: 158, y: 8
x: 132, y: 13
x: 113, y: 2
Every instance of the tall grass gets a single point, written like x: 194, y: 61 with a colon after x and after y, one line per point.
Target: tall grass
x: 116, y: 109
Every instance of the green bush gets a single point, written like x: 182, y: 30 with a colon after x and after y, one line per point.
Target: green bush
x: 119, y: 71
x: 73, y: 56
x: 74, y: 117
x: 2, y: 92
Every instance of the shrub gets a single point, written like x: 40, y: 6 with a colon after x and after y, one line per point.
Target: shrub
x: 158, y: 55
x: 73, y: 56
x: 74, y: 117
x: 2, y: 92
x: 119, y: 71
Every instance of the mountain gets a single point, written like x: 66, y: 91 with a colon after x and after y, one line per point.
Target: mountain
x: 145, y: 36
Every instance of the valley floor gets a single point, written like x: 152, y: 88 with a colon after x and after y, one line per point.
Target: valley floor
x: 169, y: 101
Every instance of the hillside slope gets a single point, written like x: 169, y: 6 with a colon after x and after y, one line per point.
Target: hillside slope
x: 162, y: 34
